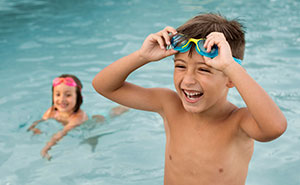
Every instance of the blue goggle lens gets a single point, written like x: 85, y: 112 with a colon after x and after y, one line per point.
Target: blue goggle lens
x: 202, y: 50
x: 178, y: 41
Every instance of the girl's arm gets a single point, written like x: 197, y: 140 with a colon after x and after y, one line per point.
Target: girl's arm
x: 44, y: 118
x: 80, y: 118
x: 56, y: 137
x: 110, y: 82
x: 32, y: 127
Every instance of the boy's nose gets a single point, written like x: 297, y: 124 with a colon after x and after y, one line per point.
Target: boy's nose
x: 189, y: 79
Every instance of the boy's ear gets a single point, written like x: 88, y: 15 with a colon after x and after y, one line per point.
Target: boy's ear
x: 230, y: 84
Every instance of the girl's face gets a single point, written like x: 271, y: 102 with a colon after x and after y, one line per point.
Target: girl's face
x: 64, y: 98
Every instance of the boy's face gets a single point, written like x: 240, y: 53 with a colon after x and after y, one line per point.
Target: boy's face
x: 199, y: 86
x: 64, y: 97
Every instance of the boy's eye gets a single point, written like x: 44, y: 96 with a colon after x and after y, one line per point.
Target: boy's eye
x: 57, y: 94
x: 180, y: 66
x: 204, y: 70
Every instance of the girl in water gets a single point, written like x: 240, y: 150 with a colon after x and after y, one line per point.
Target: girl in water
x: 66, y: 102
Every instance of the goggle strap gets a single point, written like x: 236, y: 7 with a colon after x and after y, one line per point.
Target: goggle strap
x: 239, y: 61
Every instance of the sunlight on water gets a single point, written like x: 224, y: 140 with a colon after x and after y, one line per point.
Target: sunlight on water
x: 42, y: 39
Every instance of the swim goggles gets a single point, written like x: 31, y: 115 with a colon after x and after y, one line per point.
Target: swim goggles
x: 182, y: 44
x: 68, y: 81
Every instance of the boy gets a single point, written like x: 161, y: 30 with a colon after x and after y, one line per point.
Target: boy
x: 208, y: 139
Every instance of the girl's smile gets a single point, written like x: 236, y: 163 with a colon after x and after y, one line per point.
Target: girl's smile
x: 64, y: 97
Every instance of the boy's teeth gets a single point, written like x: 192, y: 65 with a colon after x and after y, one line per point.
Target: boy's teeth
x: 193, y: 94
x: 190, y: 95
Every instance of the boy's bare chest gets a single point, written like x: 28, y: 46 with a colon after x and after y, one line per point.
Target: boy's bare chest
x: 202, y: 140
x: 203, y: 151
x: 200, y: 132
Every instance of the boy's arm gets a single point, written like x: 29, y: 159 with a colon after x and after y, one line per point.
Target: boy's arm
x: 262, y: 119
x: 110, y: 82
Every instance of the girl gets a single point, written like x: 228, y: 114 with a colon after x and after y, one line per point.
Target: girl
x: 66, y: 102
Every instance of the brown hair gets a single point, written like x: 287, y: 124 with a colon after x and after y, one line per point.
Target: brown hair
x: 202, y: 25
x: 79, y: 98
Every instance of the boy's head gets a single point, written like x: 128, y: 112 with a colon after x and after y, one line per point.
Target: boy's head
x: 70, y: 85
x: 202, y: 25
x: 201, y: 87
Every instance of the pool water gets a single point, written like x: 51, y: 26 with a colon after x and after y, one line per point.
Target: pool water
x: 41, y: 39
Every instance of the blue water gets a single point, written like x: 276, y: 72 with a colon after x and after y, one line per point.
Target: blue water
x: 41, y: 39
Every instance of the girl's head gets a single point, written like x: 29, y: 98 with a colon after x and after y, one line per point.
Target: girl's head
x: 66, y: 93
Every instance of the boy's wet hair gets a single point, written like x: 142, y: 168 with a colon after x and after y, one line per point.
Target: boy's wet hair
x: 79, y: 86
x: 202, y: 25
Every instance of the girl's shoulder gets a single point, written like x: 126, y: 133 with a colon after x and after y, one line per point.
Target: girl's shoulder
x: 79, y: 117
x: 50, y: 113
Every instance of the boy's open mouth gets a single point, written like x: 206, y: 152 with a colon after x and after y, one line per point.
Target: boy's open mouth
x: 192, y: 96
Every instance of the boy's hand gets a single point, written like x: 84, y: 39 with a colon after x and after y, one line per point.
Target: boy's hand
x: 154, y: 46
x: 224, y: 58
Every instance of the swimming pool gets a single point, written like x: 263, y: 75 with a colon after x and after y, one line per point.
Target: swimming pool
x: 41, y: 39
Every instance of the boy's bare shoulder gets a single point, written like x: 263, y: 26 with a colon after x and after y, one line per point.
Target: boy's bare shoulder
x: 170, y: 101
x: 239, y: 115
x: 166, y: 91
x: 237, y: 112
x: 167, y: 96
x: 235, y: 115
